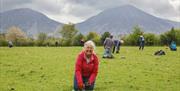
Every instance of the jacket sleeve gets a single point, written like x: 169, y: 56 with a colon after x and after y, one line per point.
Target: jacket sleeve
x: 78, y: 70
x: 95, y: 71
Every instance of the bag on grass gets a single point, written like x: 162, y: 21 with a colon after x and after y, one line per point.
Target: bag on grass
x: 159, y: 53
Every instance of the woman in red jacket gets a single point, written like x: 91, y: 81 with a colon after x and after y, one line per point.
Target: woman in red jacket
x: 86, y: 68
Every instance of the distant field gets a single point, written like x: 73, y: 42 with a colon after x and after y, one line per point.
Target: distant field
x: 52, y: 69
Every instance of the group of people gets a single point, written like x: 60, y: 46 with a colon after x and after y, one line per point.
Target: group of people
x: 87, y: 62
x: 172, y: 44
x: 111, y: 46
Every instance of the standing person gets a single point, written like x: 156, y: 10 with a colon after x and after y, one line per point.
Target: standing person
x: 108, y: 44
x: 56, y: 44
x: 141, y: 42
x: 82, y: 42
x: 86, y: 68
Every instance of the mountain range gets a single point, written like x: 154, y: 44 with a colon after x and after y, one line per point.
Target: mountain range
x: 122, y: 20
x: 119, y: 20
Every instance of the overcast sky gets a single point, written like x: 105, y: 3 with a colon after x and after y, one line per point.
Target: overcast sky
x: 79, y: 10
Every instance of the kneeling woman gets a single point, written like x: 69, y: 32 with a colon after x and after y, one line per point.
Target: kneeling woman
x: 86, y: 68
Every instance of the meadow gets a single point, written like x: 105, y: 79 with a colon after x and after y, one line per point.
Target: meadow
x: 52, y: 69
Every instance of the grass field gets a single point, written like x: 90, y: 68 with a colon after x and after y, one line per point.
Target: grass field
x: 52, y: 69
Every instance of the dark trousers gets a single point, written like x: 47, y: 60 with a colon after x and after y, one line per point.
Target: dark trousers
x: 141, y: 45
x: 116, y: 48
x: 85, y: 81
x: 173, y: 49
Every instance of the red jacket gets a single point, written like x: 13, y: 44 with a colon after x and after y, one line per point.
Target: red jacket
x: 82, y: 68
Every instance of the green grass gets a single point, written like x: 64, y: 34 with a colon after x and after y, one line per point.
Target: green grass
x: 52, y: 69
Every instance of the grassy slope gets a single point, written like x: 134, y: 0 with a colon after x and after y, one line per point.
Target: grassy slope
x: 52, y: 69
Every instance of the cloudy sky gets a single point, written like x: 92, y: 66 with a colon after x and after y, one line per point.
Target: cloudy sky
x: 79, y: 10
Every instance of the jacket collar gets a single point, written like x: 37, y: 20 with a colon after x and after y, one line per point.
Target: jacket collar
x: 84, y: 56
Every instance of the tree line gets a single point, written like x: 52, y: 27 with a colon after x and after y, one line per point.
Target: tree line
x: 70, y: 36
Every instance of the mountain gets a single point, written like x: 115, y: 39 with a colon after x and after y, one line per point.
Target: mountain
x: 30, y: 21
x: 121, y: 20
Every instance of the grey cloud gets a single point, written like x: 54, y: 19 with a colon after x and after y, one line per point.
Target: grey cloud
x: 101, y: 4
x: 161, y: 8
x: 84, y: 9
x: 11, y: 4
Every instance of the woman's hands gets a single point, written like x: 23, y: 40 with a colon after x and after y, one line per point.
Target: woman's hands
x: 81, y: 86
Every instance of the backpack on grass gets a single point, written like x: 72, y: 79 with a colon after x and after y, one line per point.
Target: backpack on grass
x: 159, y: 53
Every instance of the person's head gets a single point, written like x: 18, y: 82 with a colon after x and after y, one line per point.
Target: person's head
x: 89, y: 47
x: 111, y: 36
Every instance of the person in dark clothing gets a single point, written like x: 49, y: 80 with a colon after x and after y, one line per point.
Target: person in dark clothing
x: 56, y: 43
x: 159, y: 53
x: 82, y: 42
x: 141, y: 42
x: 48, y: 44
x: 116, y: 47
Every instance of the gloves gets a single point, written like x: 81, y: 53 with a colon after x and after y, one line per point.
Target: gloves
x: 81, y: 86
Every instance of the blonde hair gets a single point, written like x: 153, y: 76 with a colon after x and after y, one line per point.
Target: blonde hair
x: 91, y: 43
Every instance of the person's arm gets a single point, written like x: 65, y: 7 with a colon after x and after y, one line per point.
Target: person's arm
x: 95, y: 71
x: 105, y: 42
x: 78, y: 71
